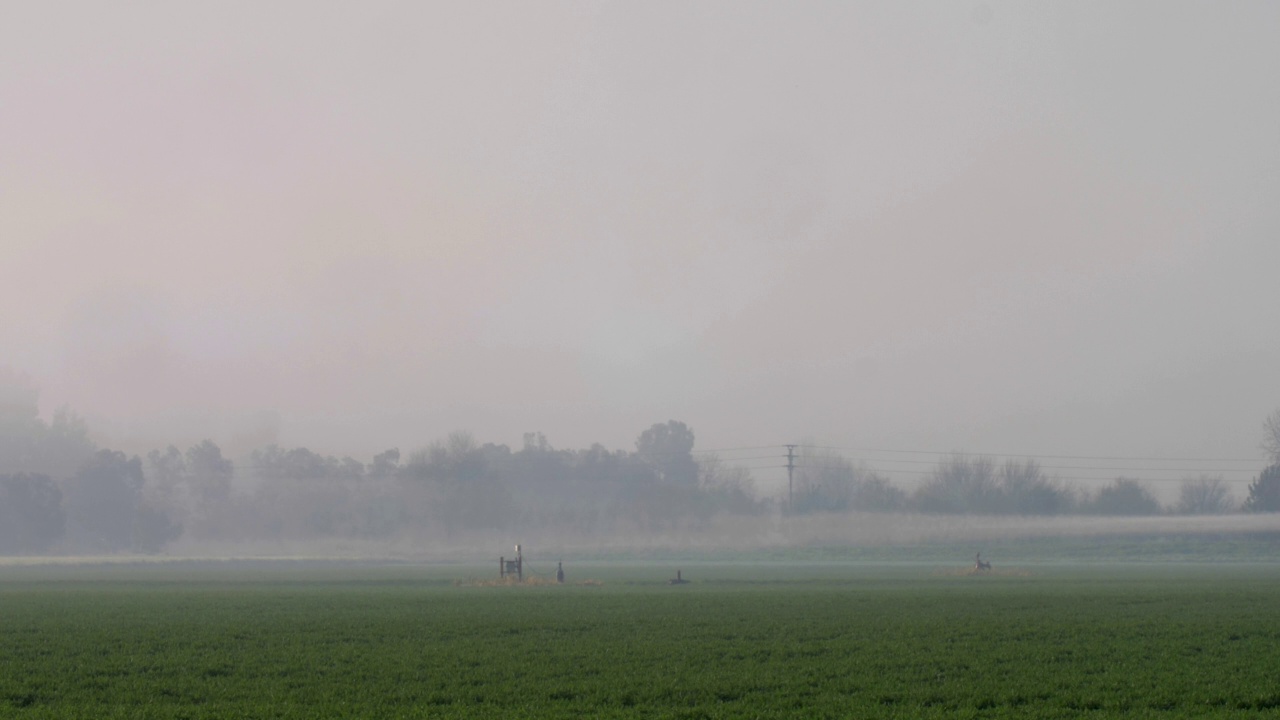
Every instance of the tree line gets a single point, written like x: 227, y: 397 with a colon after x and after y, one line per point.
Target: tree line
x: 983, y: 485
x: 59, y: 492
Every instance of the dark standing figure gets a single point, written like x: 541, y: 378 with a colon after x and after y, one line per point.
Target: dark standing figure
x: 560, y: 572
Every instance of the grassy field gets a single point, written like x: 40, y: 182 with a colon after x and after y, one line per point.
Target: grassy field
x: 289, y: 640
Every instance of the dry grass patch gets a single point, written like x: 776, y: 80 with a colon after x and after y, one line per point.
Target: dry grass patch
x: 528, y: 582
x: 971, y: 571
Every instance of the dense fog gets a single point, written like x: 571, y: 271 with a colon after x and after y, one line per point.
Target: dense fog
x: 62, y: 494
x: 396, y: 276
x: 1001, y: 227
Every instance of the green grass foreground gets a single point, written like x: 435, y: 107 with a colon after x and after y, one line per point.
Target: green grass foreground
x: 296, y: 641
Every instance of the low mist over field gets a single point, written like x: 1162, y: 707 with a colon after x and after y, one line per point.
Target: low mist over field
x: 391, y: 276
x: 459, y: 499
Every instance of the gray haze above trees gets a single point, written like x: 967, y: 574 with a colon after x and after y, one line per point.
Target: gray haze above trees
x: 1023, y: 229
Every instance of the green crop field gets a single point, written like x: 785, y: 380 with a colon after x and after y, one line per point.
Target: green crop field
x: 820, y: 640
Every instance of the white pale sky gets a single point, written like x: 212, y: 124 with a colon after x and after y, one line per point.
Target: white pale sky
x: 1045, y: 228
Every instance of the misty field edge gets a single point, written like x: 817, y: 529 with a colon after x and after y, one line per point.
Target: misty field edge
x: 1250, y: 546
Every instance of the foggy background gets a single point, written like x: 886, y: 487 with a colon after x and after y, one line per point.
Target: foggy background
x: 997, y: 228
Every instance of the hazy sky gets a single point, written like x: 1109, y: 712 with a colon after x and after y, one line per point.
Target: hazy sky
x: 1024, y: 227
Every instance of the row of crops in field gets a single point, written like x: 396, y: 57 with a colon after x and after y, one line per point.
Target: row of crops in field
x: 740, y: 640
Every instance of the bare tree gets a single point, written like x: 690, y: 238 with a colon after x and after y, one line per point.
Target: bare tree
x: 824, y: 481
x: 1204, y: 495
x: 960, y: 484
x: 1026, y: 490
x: 1271, y: 436
x: 725, y: 486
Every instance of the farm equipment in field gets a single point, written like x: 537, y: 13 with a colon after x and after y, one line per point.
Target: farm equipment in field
x: 511, y: 568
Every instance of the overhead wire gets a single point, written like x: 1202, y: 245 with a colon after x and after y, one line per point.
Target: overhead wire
x: 1029, y: 455
x: 800, y: 466
x: 1050, y: 467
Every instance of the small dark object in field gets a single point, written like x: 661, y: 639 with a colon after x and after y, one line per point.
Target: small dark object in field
x: 979, y: 565
x: 677, y: 580
x: 560, y: 572
x: 507, y: 568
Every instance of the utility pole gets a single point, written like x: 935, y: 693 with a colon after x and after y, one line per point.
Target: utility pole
x: 791, y: 471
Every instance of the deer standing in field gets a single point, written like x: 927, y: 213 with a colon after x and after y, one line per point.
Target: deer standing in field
x: 979, y: 565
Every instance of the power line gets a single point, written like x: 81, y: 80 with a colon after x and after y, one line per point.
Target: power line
x: 1033, y: 455
x: 1058, y: 467
x: 780, y: 455
x: 897, y: 471
x: 738, y: 449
